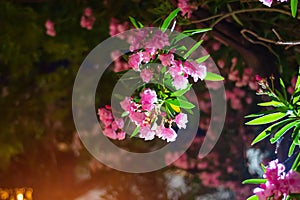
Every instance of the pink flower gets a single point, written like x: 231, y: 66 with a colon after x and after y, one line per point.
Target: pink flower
x: 176, y: 69
x: 278, y: 184
x: 146, y: 75
x: 181, y: 120
x: 115, y: 27
x: 87, y: 19
x: 148, y: 98
x: 267, y: 2
x: 137, y: 117
x: 135, y: 60
x: 126, y: 104
x: 197, y: 71
x: 121, y: 135
x: 180, y: 82
x: 166, y: 59
x: 184, y: 8
x: 109, y: 132
x: 146, y: 132
x: 166, y: 133
x: 49, y: 25
x: 293, y: 180
x: 105, y: 116
x: 158, y: 41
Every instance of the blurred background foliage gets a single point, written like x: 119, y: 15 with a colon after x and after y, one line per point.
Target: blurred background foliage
x: 37, y: 134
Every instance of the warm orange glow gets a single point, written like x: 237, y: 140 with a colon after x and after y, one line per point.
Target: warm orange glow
x: 20, y: 197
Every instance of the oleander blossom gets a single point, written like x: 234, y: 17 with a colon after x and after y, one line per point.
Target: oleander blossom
x: 185, y: 8
x: 269, y: 2
x: 112, y: 125
x: 278, y: 183
x: 49, y: 25
x: 87, y: 19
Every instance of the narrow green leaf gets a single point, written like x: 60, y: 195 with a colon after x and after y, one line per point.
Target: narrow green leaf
x: 265, y: 112
x: 298, y: 81
x: 134, y: 23
x: 283, y: 88
x: 174, y: 102
x: 202, y: 59
x: 253, y: 197
x: 181, y: 92
x: 135, y: 132
x: 198, y: 44
x: 282, y: 131
x: 124, y: 114
x: 196, y: 31
x: 296, y: 163
x: 271, y: 103
x: 141, y: 25
x: 254, y: 181
x: 294, y: 7
x: 263, y: 167
x: 178, y: 37
x: 267, y: 119
x: 185, y: 104
x: 291, y: 149
x: 296, y: 134
x: 265, y: 133
x: 213, y: 77
x: 168, y: 20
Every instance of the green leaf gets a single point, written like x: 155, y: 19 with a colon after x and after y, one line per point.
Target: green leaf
x: 124, y: 114
x: 135, y: 132
x: 134, y: 23
x: 265, y: 133
x: 213, y: 77
x: 296, y: 134
x: 198, y: 44
x: 178, y: 37
x: 181, y: 92
x: 267, y: 118
x: 168, y: 20
x: 202, y: 59
x: 174, y: 102
x: 296, y: 163
x: 263, y: 167
x: 291, y: 149
x: 298, y: 81
x: 254, y: 181
x: 283, y: 88
x: 271, y: 103
x: 282, y: 131
x: 185, y: 104
x: 196, y: 31
x: 254, y: 197
x: 294, y: 7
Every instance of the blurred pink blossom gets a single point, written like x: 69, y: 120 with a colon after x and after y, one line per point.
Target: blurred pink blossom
x: 146, y: 75
x: 181, y: 120
x: 87, y: 19
x: 185, y: 8
x: 49, y: 25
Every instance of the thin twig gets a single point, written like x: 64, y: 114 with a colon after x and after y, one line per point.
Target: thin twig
x: 239, y: 12
x: 260, y: 40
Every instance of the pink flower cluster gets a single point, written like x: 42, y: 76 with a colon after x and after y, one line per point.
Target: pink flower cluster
x: 49, y: 25
x: 87, y: 19
x: 112, y: 125
x: 269, y: 2
x: 119, y: 64
x: 179, y: 70
x: 279, y: 184
x: 115, y: 27
x: 145, y: 114
x: 185, y: 8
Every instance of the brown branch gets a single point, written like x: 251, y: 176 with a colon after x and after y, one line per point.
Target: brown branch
x: 262, y: 40
x: 239, y: 12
